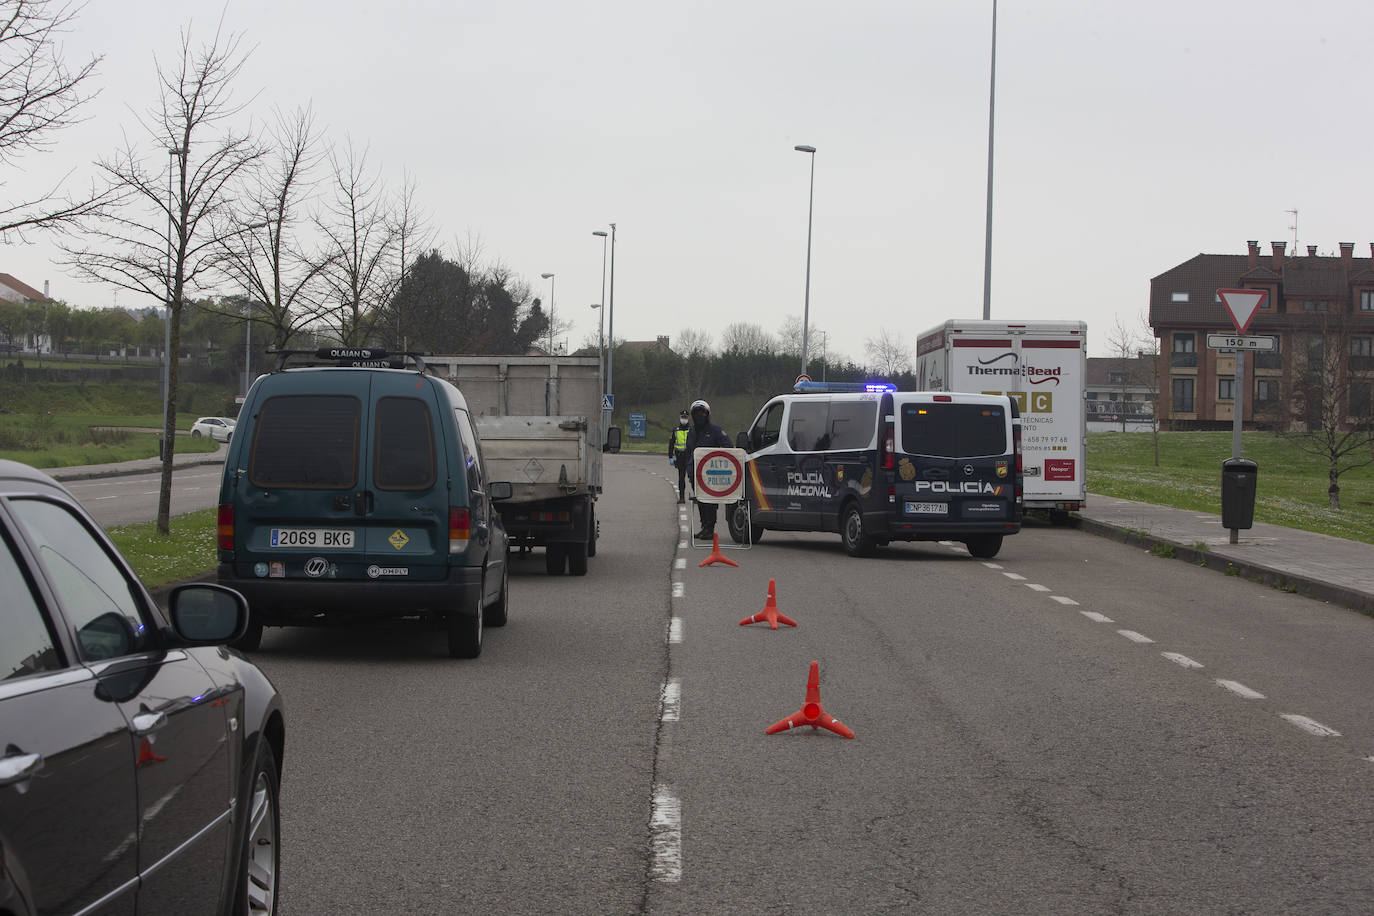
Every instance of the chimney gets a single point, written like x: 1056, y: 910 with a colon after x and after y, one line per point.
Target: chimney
x: 1278, y: 254
x: 1347, y: 255
x: 1311, y: 251
x: 1253, y: 246
x: 662, y: 342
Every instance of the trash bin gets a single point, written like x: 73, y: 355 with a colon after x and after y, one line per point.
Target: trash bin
x: 1238, y: 493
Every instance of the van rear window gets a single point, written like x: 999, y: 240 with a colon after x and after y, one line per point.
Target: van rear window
x: 306, y: 441
x: 944, y: 430
x: 405, y: 445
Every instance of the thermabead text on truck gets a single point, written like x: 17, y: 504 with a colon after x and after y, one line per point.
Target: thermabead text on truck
x: 1040, y: 364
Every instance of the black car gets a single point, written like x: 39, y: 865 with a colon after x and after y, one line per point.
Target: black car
x: 140, y: 760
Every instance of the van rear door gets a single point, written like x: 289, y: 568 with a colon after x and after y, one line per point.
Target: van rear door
x: 955, y: 461
x: 342, y: 480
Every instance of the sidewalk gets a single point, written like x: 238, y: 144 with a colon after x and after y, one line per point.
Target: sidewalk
x: 1316, y: 565
x: 141, y: 466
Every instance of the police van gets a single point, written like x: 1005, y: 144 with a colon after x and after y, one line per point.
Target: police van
x: 878, y: 465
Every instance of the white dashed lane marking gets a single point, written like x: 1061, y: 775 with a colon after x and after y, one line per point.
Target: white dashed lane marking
x: 665, y: 824
x: 670, y: 701
x: 1014, y: 577
x: 1037, y: 588
x: 1133, y: 636
x: 675, y: 632
x: 1311, y: 726
x: 680, y: 563
x: 1240, y: 689
x: 679, y: 590
x: 1180, y: 659
x: 1062, y: 600
x: 1096, y: 617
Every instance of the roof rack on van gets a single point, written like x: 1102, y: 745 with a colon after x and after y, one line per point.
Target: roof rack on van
x: 353, y: 357
x: 841, y: 387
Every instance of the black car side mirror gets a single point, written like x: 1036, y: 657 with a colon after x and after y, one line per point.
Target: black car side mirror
x: 612, y: 440
x: 204, y: 614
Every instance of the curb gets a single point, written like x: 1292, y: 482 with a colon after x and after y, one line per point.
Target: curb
x: 122, y: 470
x: 1252, y: 572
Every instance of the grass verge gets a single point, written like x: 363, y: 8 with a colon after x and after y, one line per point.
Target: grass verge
x: 189, y: 552
x: 1291, y: 484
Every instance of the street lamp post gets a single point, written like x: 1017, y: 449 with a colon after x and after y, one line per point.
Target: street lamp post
x: 610, y: 322
x: 810, y: 202
x: 602, y: 304
x: 172, y: 153
x: 549, y: 277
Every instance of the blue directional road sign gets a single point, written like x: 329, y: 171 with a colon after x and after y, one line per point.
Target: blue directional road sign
x: 639, y: 426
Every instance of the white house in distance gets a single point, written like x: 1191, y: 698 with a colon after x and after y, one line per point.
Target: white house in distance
x: 13, y: 289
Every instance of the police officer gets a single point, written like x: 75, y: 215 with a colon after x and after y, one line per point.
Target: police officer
x: 677, y: 453
x: 704, y: 434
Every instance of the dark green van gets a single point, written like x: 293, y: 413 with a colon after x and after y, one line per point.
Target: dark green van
x: 355, y: 490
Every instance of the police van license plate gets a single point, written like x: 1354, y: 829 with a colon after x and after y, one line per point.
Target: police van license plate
x: 923, y: 508
x: 311, y: 538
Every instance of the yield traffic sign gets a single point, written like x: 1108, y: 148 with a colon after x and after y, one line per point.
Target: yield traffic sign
x: 1242, y: 304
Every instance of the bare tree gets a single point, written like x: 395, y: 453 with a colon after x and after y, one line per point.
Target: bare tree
x: 163, y: 239
x: 742, y: 337
x: 363, y: 238
x: 1333, y: 410
x: 887, y: 353
x: 695, y: 348
x: 266, y: 258
x: 39, y: 95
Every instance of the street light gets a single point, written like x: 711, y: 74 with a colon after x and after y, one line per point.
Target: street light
x: 549, y: 277
x: 610, y: 326
x: 811, y: 199
x: 602, y: 304
x: 600, y: 339
x: 163, y: 445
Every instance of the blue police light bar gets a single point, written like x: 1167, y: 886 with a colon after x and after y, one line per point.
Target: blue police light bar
x: 842, y: 387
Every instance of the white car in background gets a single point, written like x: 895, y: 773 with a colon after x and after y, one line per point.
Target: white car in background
x: 221, y: 429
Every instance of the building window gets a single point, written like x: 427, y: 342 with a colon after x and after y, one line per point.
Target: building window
x: 1314, y: 305
x: 1178, y: 297
x: 1266, y: 390
x: 1362, y: 346
x: 1184, y: 343
x: 1360, y: 402
x: 1367, y: 300
x: 1116, y: 378
x: 1226, y: 389
x: 1183, y: 395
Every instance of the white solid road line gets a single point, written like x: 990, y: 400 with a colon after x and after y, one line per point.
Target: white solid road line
x: 1240, y: 689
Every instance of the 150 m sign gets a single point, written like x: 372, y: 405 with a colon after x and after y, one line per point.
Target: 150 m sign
x: 1237, y: 342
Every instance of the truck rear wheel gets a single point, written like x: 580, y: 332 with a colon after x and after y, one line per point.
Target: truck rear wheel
x: 577, y: 558
x: 555, y: 558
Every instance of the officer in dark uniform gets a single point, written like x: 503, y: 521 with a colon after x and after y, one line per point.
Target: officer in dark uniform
x: 677, y: 453
x: 704, y: 434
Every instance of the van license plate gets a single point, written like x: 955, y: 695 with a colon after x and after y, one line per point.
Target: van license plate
x: 922, y: 508
x: 311, y: 538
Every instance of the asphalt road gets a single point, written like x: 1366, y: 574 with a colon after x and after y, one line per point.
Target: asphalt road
x: 1073, y: 727
x: 132, y: 499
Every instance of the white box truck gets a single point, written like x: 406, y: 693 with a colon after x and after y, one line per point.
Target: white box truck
x: 542, y: 428
x: 1040, y: 364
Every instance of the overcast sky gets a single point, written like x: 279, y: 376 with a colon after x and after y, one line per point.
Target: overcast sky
x: 1129, y: 137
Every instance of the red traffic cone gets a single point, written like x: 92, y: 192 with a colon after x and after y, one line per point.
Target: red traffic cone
x: 147, y: 755
x: 716, y: 556
x: 811, y: 713
x: 770, y: 612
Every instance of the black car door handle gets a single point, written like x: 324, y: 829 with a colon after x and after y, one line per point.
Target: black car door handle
x: 19, y: 768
